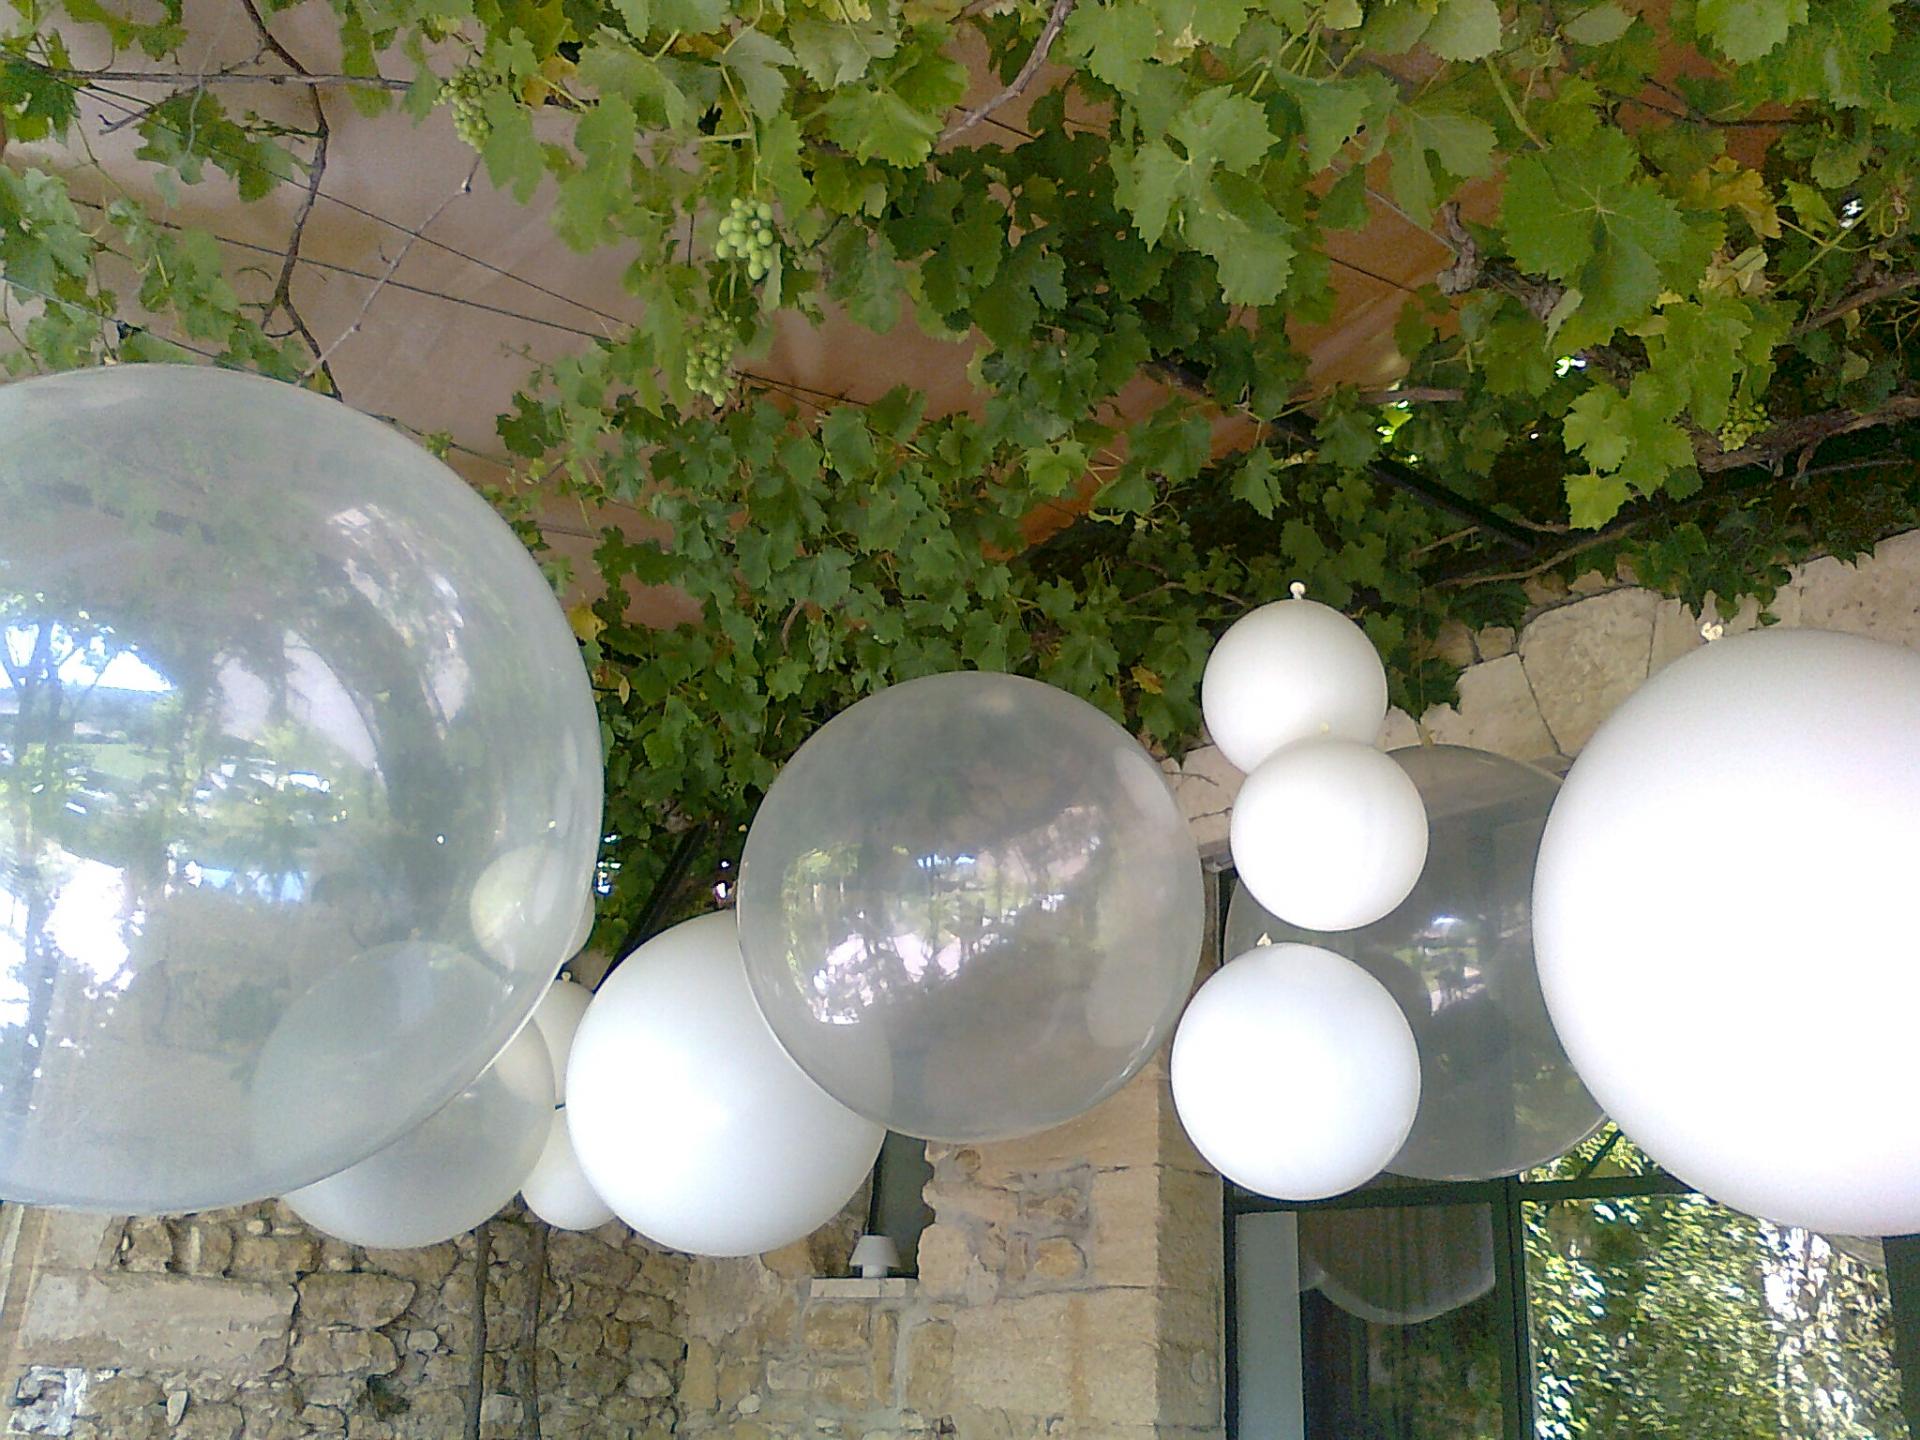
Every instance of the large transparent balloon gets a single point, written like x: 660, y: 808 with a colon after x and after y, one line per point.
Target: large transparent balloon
x: 299, y: 787
x: 451, y: 1171
x: 1394, y: 1265
x: 1497, y: 1093
x: 970, y: 907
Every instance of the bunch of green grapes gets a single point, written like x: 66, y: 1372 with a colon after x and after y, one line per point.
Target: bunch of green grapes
x: 747, y: 233
x: 469, y: 88
x: 710, y: 360
x: 1745, y: 419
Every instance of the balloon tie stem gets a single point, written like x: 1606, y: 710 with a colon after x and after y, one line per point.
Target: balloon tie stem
x: 1712, y: 630
x: 1298, y: 590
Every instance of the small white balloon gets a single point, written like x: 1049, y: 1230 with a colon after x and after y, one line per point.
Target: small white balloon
x: 558, y: 1190
x: 1329, y: 834
x: 449, y: 1173
x: 558, y: 1017
x: 1748, y: 1018
x: 1293, y: 670
x: 687, y: 1116
x: 1295, y: 1074
x: 519, y: 906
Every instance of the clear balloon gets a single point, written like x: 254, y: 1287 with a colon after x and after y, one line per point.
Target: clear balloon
x: 1497, y: 1093
x: 1329, y: 834
x: 450, y: 1172
x: 689, y: 1119
x: 1292, y: 670
x: 558, y: 1016
x: 1294, y: 1073
x: 1393, y: 1265
x: 283, y: 704
x: 970, y: 907
x: 1724, y: 916
x: 557, y: 1189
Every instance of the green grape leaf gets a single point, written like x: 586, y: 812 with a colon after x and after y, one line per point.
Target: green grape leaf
x: 1600, y: 24
x: 1745, y: 30
x: 754, y: 59
x: 1149, y: 185
x: 1332, y: 112
x: 1250, y: 242
x: 1464, y: 29
x: 1593, y: 500
x: 1114, y: 40
x: 838, y: 54
x: 1253, y: 481
x: 1224, y: 129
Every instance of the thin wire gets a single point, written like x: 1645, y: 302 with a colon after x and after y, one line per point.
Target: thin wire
x: 123, y: 325
x: 792, y: 386
x: 128, y: 105
x: 410, y: 288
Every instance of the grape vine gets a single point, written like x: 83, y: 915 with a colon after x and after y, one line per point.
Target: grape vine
x: 1667, y: 336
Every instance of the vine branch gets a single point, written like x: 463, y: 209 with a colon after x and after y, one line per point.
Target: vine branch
x: 320, y: 360
x: 1056, y: 21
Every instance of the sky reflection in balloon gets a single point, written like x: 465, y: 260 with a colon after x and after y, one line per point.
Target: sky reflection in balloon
x: 270, y: 675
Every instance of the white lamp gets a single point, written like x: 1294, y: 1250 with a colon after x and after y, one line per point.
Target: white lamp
x: 1329, y: 834
x: 1295, y: 1073
x: 1723, y: 914
x: 1292, y: 670
x: 875, y: 1255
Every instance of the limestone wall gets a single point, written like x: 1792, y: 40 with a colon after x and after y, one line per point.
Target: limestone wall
x: 245, y: 1325
x: 1070, y: 1286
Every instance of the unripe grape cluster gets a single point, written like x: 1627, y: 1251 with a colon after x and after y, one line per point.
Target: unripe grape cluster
x: 1745, y: 419
x: 747, y: 233
x: 468, y: 89
x: 710, y: 360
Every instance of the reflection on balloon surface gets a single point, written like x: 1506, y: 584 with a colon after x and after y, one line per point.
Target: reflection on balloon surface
x: 970, y: 907
x: 1399, y: 1266
x: 1497, y: 1093
x: 268, y: 673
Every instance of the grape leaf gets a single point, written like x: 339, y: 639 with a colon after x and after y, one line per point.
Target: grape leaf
x: 1225, y: 129
x: 1464, y: 29
x: 1747, y: 29
x: 1115, y: 41
x: 1600, y: 24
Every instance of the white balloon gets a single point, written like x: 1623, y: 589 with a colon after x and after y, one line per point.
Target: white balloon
x: 557, y: 1189
x: 687, y: 1116
x: 532, y: 881
x: 1295, y: 1073
x: 558, y: 1018
x: 1329, y: 834
x: 1747, y: 1017
x: 1291, y: 670
x: 449, y: 1173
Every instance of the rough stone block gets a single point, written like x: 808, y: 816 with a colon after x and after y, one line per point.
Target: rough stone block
x: 1879, y: 595
x: 364, y: 1301
x: 1583, y: 660
x: 834, y: 1326
x: 159, y: 1322
x: 1497, y: 712
x: 1086, y: 1357
x: 273, y: 1257
x: 343, y: 1352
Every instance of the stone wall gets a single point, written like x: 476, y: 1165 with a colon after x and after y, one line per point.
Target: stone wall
x: 1069, y: 1287
x: 246, y: 1325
